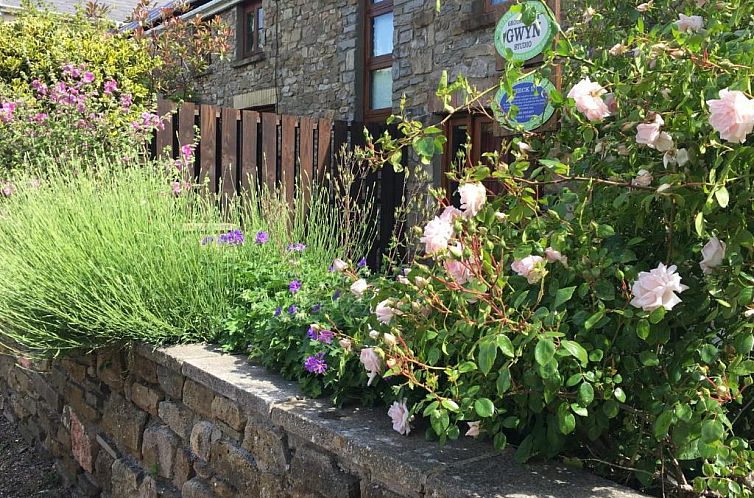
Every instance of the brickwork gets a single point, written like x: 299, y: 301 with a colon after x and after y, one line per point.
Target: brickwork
x: 191, y: 422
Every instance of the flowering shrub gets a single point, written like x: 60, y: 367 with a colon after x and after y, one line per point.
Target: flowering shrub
x: 601, y: 308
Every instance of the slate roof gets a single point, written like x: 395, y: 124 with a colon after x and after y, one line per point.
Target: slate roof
x: 119, y: 9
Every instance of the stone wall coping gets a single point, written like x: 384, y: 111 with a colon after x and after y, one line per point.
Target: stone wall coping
x: 364, y: 437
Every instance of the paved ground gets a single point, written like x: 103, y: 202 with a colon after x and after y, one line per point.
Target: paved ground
x: 24, y: 471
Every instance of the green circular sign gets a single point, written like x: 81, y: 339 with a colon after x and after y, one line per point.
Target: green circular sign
x: 531, y: 96
x: 516, y: 41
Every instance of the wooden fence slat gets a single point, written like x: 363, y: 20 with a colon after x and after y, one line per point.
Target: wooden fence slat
x: 288, y: 157
x: 324, y: 147
x: 229, y: 139
x: 207, y: 146
x: 186, y: 115
x: 249, y: 169
x: 165, y: 135
x: 306, y: 157
x: 269, y: 149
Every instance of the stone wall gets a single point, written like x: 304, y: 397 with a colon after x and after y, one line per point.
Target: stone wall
x: 189, y: 421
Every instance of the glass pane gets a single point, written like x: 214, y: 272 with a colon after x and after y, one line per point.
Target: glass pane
x: 249, y: 41
x: 382, y: 34
x: 381, y: 88
x: 498, y: 2
x: 261, y: 27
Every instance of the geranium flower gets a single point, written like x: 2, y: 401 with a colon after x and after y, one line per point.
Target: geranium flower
x: 262, y: 237
x: 316, y: 364
x: 657, y: 288
x: 294, y: 286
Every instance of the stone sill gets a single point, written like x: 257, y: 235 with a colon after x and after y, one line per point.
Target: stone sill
x: 248, y: 60
x: 363, y: 437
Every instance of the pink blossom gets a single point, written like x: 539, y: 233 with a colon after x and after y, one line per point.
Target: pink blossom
x: 400, y: 416
x: 690, y: 24
x: 552, y: 255
x: 643, y: 179
x: 732, y: 115
x: 648, y: 133
x: 458, y: 270
x: 385, y: 312
x: 437, y: 233
x: 713, y: 254
x: 339, y: 265
x: 611, y: 102
x: 180, y: 186
x: 657, y: 288
x: 88, y: 77
x: 372, y: 363
x: 126, y: 100
x: 450, y: 213
x: 588, y: 97
x: 359, y: 287
x: 530, y: 267
x: 345, y: 343
x: 6, y: 111
x: 39, y: 117
x: 473, y: 196
x: 8, y: 189
x: 110, y: 87
x: 473, y: 429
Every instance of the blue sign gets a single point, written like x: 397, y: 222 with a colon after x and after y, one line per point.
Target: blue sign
x: 532, y: 102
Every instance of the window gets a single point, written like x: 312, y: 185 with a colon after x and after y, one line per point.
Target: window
x: 378, y: 66
x: 251, y: 28
x: 497, y: 6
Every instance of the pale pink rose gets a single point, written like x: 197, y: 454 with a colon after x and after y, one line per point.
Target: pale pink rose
x: 458, y: 270
x: 390, y: 340
x: 345, y: 343
x: 524, y: 147
x: 359, y: 287
x: 690, y: 24
x: 400, y: 416
x: 372, y: 363
x: 373, y: 334
x: 657, y: 288
x: 339, y: 265
x: 643, y: 7
x: 664, y: 142
x: 643, y: 179
x: 588, y: 98
x: 473, y: 429
x: 675, y: 156
x: 713, y: 253
x: 437, y: 233
x: 611, y: 103
x: 385, y: 312
x: 648, y: 133
x: 473, y: 197
x: 450, y: 213
x: 530, y: 267
x: 732, y: 115
x: 552, y: 255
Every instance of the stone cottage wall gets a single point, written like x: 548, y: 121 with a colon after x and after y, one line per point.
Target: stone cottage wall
x: 188, y: 421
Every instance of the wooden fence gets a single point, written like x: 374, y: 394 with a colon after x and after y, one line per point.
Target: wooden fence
x: 238, y: 150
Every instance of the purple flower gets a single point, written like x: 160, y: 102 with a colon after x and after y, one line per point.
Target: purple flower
x: 88, y: 77
x: 262, y: 237
x: 296, y: 247
x: 331, y: 268
x: 110, y: 87
x: 311, y: 333
x: 294, y: 286
x: 336, y: 295
x: 362, y: 263
x: 326, y: 336
x: 126, y: 101
x: 6, y: 111
x: 316, y: 364
x: 292, y: 309
x: 231, y: 238
x: 316, y: 308
x: 278, y: 310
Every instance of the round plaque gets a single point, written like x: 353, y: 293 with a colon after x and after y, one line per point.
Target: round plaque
x: 532, y: 98
x: 524, y: 42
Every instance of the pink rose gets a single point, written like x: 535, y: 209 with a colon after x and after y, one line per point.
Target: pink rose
x: 657, y: 288
x: 551, y: 255
x: 643, y: 179
x: 473, y: 196
x: 399, y: 414
x: 690, y: 24
x: 372, y: 363
x: 531, y: 268
x: 648, y: 133
x: 437, y: 233
x: 588, y: 97
x: 339, y: 265
x: 458, y: 270
x: 359, y: 287
x: 473, y: 429
x: 450, y: 213
x: 345, y: 343
x: 385, y: 312
x: 732, y: 115
x: 713, y: 254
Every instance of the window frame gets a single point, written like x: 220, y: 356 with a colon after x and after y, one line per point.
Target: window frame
x: 254, y: 6
x: 371, y: 63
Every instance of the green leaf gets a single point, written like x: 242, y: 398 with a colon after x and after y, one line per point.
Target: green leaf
x: 722, y: 197
x: 662, y: 424
x: 484, y: 407
x: 592, y: 320
x: 619, y: 395
x: 648, y: 359
x: 563, y: 295
x: 500, y: 441
x: 712, y: 431
x: 503, y: 381
x: 505, y: 345
x: 642, y: 329
x: 576, y: 350
x: 657, y: 315
x: 699, y: 223
x: 450, y: 405
x: 544, y: 352
x: 566, y: 420
x: 586, y: 393
x: 487, y: 355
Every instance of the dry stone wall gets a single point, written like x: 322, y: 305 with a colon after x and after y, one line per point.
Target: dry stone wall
x: 189, y: 421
